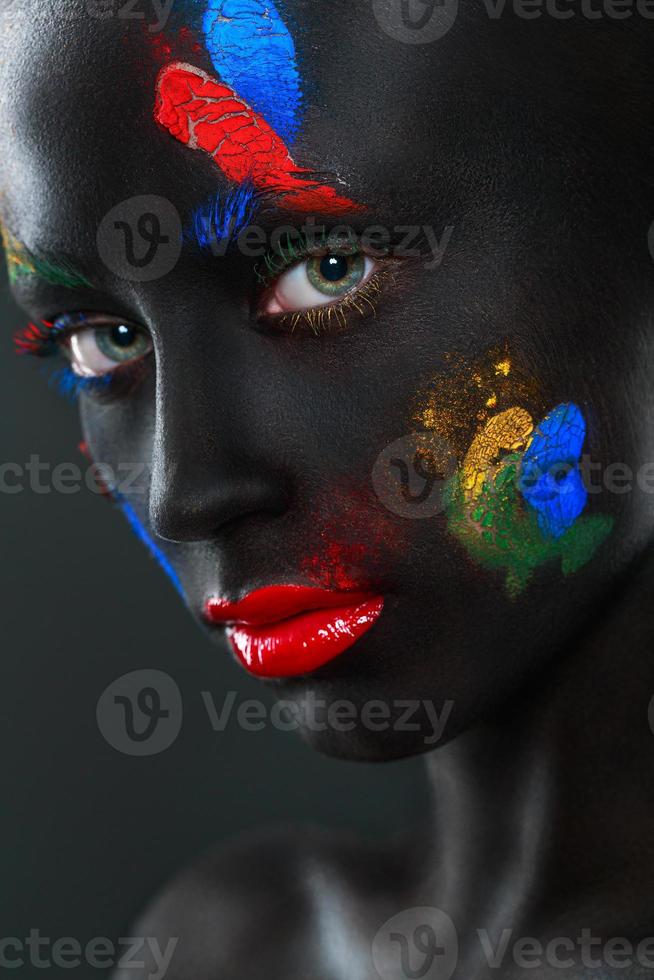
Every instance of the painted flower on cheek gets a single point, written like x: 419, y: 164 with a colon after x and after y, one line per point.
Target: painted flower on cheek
x: 518, y: 499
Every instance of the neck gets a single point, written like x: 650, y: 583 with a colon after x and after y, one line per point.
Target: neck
x: 549, y: 810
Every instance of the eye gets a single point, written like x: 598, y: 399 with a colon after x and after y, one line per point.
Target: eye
x: 97, y: 350
x: 317, y: 281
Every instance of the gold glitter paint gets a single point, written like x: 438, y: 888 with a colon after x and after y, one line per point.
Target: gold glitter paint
x: 466, y: 394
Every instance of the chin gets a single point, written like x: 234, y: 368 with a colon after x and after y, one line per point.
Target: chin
x: 360, y: 721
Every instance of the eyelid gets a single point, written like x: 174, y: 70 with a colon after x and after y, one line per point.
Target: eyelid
x: 67, y: 323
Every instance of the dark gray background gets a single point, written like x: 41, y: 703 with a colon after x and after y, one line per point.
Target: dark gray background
x: 89, y: 834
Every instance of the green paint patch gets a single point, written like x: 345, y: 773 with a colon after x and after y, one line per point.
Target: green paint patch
x: 501, y: 533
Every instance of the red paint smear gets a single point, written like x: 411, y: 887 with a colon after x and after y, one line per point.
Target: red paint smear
x: 357, y: 543
x: 333, y: 568
x: 164, y: 46
x: 208, y: 115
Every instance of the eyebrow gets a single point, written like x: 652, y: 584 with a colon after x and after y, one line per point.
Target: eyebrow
x: 222, y: 218
x: 22, y: 262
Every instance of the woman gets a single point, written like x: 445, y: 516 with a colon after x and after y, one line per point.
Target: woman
x: 359, y: 296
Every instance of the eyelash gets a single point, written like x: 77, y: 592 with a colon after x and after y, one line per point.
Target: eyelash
x: 331, y: 317
x: 71, y: 385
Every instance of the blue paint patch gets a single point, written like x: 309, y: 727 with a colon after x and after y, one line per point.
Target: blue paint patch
x: 253, y: 52
x: 71, y: 385
x: 143, y: 536
x: 220, y: 220
x: 550, y: 479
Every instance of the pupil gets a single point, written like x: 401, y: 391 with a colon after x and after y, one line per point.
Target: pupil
x: 122, y: 336
x: 334, y: 267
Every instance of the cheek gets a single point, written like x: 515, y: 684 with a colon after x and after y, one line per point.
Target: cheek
x: 118, y: 445
x: 120, y: 432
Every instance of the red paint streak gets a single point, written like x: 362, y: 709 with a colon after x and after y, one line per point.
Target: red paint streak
x: 290, y: 630
x: 207, y: 115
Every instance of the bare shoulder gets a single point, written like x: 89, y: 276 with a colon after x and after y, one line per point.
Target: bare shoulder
x: 270, y: 905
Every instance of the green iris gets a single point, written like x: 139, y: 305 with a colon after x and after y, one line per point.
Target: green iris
x: 334, y: 275
x: 121, y: 342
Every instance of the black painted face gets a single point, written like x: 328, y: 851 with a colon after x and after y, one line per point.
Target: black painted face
x: 263, y: 439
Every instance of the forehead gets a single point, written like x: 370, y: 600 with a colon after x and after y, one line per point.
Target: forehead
x: 421, y: 125
x: 77, y: 103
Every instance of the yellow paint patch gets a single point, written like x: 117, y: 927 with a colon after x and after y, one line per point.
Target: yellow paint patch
x: 510, y: 431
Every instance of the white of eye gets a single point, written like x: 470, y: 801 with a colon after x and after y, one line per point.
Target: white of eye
x: 86, y: 357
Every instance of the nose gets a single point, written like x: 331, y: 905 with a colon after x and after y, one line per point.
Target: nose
x: 209, y: 466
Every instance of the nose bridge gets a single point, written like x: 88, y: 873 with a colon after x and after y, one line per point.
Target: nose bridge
x: 207, y: 467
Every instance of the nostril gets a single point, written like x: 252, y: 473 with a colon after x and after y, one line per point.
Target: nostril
x: 181, y: 513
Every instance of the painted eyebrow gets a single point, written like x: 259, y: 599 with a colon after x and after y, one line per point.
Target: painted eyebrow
x: 221, y: 218
x: 52, y: 269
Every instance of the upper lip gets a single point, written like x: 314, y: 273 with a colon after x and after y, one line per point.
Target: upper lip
x: 274, y: 603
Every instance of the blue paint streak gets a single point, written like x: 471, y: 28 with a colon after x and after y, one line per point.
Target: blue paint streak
x: 550, y: 479
x: 222, y: 218
x: 253, y: 52
x: 143, y: 536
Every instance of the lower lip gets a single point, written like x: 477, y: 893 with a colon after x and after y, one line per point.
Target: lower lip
x: 302, y: 643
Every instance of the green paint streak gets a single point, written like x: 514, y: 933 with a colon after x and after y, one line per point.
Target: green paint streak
x: 57, y: 274
x: 21, y: 262
x: 501, y: 533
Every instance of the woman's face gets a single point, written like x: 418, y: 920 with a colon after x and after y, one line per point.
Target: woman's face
x: 291, y: 418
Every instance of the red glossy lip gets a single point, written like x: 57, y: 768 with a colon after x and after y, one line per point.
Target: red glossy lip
x: 286, y: 630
